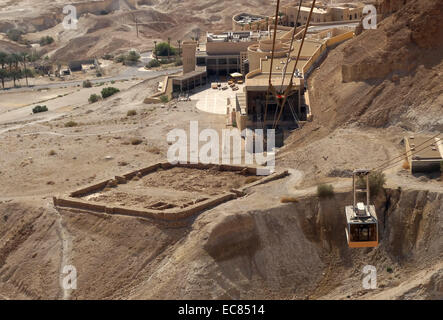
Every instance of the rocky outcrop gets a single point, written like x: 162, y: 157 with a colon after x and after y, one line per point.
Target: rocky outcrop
x: 401, y: 42
x: 387, y: 7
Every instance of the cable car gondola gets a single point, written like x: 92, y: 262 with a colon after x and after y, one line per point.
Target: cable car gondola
x: 362, y: 223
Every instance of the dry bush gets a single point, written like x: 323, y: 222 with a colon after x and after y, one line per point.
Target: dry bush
x: 325, y: 191
x: 288, y: 199
x: 71, y: 124
x: 136, y: 141
x: 251, y: 180
x: 405, y: 165
x: 131, y: 113
x: 236, y: 184
x: 154, y: 150
x: 52, y: 153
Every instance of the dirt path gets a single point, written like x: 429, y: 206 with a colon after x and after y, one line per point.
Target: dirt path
x: 67, y: 244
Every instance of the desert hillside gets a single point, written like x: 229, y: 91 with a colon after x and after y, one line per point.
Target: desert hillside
x: 277, y: 240
x: 113, y: 30
x: 388, y: 76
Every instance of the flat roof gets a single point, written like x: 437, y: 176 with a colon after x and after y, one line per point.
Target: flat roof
x: 429, y: 149
x: 278, y: 66
x: 261, y: 82
x: 352, y: 218
x: 316, y: 10
x: 190, y: 75
x: 308, y: 50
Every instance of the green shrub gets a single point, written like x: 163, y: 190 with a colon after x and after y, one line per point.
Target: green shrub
x: 377, y: 180
x: 164, y: 99
x: 46, y: 40
x: 132, y: 58
x: 154, y: 63
x: 325, y: 191
x: 128, y: 59
x: 389, y: 269
x: 71, y: 124
x: 109, y: 91
x: 38, y: 109
x: 120, y: 58
x: 162, y: 49
x: 108, y: 56
x: 94, y: 98
x: 87, y: 84
x: 14, y: 34
x: 178, y: 62
x: 131, y: 113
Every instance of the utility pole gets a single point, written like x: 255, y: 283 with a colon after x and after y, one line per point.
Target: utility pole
x: 136, y: 22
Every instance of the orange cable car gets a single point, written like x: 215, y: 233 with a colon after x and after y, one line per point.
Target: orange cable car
x: 362, y: 223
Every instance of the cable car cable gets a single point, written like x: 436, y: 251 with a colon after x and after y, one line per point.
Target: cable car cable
x: 272, y: 61
x: 286, y: 93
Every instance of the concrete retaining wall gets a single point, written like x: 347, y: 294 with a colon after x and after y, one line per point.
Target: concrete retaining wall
x: 72, y: 201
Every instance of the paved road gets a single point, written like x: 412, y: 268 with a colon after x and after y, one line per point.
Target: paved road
x: 127, y: 74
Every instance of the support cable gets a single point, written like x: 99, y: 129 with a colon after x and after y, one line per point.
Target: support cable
x: 288, y: 89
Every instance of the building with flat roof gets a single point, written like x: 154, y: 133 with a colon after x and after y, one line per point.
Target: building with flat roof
x: 322, y: 12
x: 249, y: 53
x: 424, y: 154
x: 252, y: 105
x: 226, y: 52
x: 248, y: 21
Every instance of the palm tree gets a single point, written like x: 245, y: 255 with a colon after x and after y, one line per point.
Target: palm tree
x: 3, y: 75
x: 3, y: 71
x: 179, y: 51
x: 267, y: 23
x: 12, y: 61
x: 24, y: 56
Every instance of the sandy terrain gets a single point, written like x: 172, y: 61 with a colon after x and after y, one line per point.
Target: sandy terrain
x: 165, y: 189
x: 253, y: 247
